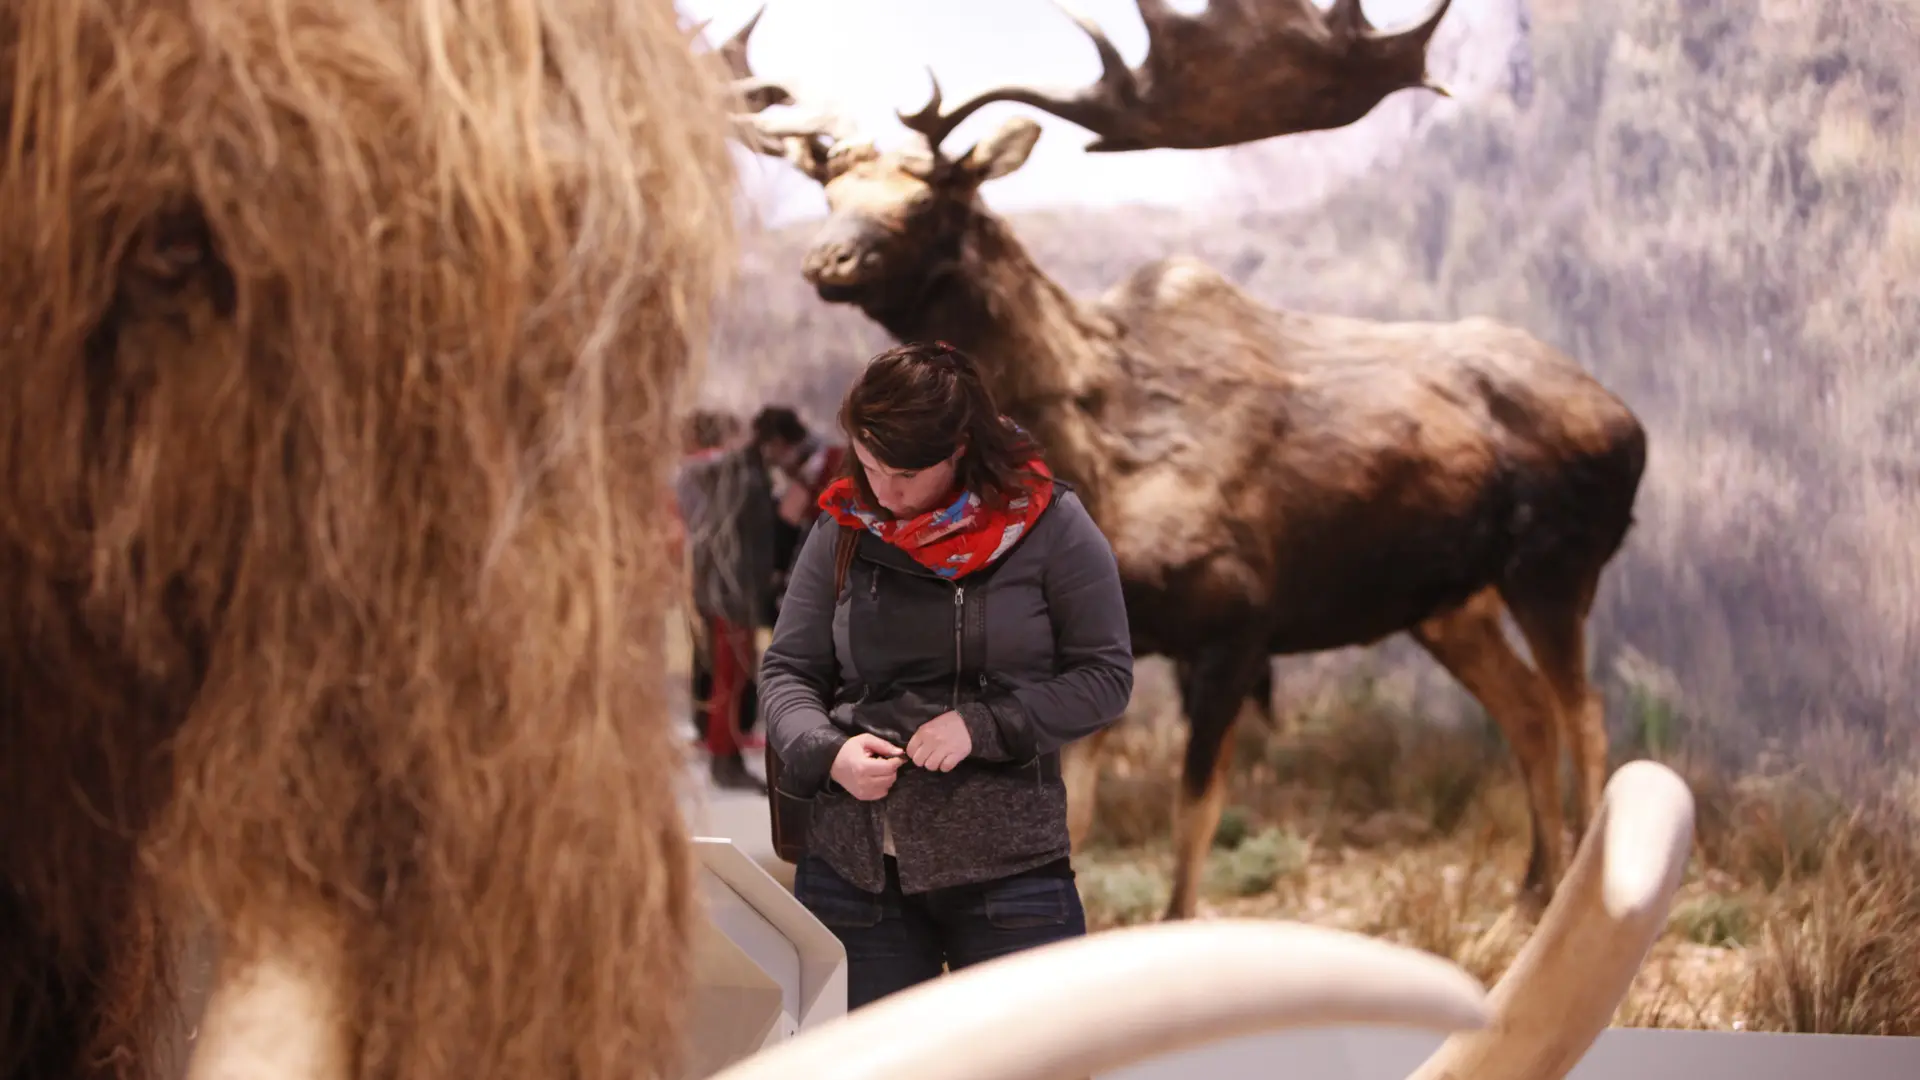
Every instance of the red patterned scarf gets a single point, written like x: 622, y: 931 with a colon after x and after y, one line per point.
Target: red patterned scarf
x: 953, y: 540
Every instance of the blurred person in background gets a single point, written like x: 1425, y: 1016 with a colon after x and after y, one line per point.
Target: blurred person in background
x: 705, y: 432
x: 726, y: 507
x: 805, y: 462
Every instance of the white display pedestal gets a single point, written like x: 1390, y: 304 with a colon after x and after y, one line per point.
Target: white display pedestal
x: 764, y: 968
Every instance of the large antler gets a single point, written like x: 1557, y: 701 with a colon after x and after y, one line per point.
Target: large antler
x: 1102, y: 1002
x: 1238, y: 72
x: 806, y: 139
x: 756, y: 93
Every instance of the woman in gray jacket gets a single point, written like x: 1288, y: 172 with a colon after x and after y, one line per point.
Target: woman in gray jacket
x: 955, y: 620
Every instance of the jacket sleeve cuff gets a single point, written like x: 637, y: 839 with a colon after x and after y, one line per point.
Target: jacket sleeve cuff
x: 998, y: 729
x: 982, y: 732
x: 805, y: 767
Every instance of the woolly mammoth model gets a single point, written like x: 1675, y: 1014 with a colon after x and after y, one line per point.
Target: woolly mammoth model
x: 342, y: 344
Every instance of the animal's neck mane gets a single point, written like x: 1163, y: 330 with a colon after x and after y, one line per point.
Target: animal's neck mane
x: 1044, y: 355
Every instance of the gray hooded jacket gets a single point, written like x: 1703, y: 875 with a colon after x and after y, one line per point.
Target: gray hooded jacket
x: 1033, y: 651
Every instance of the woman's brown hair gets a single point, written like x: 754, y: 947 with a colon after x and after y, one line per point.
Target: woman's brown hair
x: 915, y: 403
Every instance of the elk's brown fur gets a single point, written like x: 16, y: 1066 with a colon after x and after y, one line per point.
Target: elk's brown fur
x: 343, y: 345
x: 1272, y: 481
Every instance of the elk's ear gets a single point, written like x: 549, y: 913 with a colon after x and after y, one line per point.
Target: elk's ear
x: 1001, y: 152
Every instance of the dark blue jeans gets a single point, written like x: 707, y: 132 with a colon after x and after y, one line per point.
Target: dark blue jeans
x: 894, y: 941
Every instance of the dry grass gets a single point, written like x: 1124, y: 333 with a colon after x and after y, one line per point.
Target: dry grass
x: 1800, y: 911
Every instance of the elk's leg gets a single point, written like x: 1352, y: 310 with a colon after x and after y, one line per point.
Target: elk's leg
x: 1261, y: 693
x: 1212, y: 690
x: 1080, y: 768
x: 1468, y: 642
x: 1553, y: 620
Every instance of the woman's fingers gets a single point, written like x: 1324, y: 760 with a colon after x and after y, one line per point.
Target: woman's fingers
x: 876, y: 745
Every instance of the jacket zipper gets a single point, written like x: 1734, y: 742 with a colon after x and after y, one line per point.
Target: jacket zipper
x: 959, y: 621
x: 959, y: 648
x: 959, y: 657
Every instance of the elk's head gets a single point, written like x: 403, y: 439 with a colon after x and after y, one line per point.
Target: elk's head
x: 895, y: 219
x: 1235, y: 73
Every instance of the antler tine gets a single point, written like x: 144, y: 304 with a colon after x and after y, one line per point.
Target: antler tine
x: 1115, y: 85
x: 805, y: 140
x: 928, y: 122
x: 934, y: 127
x: 1347, y: 16
x: 756, y: 93
x: 1240, y: 71
x: 734, y: 49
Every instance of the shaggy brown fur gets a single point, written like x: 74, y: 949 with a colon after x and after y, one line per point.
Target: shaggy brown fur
x: 343, y: 338
x: 1273, y: 482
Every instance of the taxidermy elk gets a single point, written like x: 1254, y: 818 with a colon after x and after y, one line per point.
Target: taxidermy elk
x: 1273, y: 482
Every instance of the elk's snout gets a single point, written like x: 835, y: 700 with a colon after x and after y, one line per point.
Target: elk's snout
x: 845, y: 254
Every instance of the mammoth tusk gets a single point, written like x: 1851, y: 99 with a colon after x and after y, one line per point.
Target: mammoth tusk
x: 1099, y: 1002
x: 276, y: 1015
x: 1562, y: 989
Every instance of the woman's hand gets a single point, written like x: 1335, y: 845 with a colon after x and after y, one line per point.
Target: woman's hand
x: 941, y: 743
x: 866, y: 766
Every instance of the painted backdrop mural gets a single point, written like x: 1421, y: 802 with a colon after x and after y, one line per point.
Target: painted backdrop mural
x: 1714, y: 208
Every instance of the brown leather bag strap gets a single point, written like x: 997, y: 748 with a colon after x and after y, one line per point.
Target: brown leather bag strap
x: 843, y: 557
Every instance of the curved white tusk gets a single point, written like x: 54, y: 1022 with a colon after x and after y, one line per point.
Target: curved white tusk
x: 1563, y: 988
x: 278, y: 1016
x: 1100, y: 1002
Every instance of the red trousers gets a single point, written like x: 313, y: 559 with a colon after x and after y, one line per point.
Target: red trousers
x: 732, y: 645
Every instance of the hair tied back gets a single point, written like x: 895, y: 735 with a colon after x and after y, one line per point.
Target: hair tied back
x: 946, y: 357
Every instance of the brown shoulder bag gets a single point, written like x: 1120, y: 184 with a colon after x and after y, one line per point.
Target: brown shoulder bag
x: 788, y: 815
